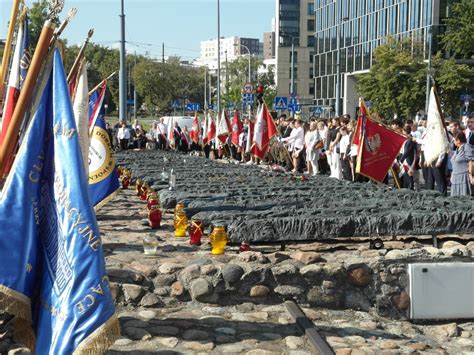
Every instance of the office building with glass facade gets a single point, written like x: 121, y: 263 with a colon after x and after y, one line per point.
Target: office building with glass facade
x: 347, y: 33
x: 294, y: 36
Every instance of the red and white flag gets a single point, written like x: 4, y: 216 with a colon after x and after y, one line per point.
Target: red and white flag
x: 13, y: 88
x: 223, y: 128
x: 237, y: 128
x: 97, y: 107
x: 363, y: 113
x: 264, y: 128
x: 209, y: 130
x: 170, y: 133
x: 194, y: 134
x: 379, y: 145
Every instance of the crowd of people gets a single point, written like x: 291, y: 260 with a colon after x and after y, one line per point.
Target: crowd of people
x: 324, y: 146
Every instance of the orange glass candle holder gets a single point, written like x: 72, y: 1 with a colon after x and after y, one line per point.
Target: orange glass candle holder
x: 195, y: 232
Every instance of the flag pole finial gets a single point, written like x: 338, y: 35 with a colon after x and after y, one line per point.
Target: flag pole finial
x: 55, y: 8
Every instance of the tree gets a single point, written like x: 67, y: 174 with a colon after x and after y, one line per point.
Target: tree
x: 396, y: 82
x: 38, y: 14
x: 453, y: 80
x: 238, y: 76
x: 159, y: 83
x: 460, y: 27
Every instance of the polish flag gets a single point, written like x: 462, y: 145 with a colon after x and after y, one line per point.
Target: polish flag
x: 237, y: 128
x: 223, y: 128
x: 210, y: 130
x: 264, y: 128
x: 13, y: 89
x: 194, y: 134
x: 170, y: 133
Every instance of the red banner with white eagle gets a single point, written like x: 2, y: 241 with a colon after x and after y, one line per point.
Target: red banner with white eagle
x: 380, y: 146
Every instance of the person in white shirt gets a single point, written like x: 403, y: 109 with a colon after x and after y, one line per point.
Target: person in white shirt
x: 123, y: 136
x: 161, y: 132
x: 295, y: 143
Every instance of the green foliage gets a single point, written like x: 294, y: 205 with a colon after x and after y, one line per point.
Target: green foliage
x: 160, y: 83
x: 238, y: 76
x: 396, y: 82
x: 460, y: 27
x: 453, y: 80
x: 38, y: 14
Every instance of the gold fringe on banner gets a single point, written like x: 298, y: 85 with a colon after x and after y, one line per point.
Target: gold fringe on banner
x: 15, y: 303
x: 101, y: 339
x: 18, y: 305
x: 23, y: 333
x: 107, y: 200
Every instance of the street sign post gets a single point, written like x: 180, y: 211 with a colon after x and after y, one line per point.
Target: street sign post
x: 281, y: 103
x: 293, y: 105
x: 175, y: 104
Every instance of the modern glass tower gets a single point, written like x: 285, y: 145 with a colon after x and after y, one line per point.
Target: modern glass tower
x: 294, y: 52
x: 347, y: 33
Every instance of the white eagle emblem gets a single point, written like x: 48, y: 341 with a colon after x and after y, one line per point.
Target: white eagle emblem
x: 373, y: 143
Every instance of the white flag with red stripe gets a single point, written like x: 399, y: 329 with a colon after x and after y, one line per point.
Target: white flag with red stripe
x: 209, y: 130
x: 13, y: 88
x: 170, y: 133
x: 223, y: 128
x: 97, y: 106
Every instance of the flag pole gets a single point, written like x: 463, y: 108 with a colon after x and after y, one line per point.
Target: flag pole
x: 80, y: 55
x: 102, y: 82
x: 8, y: 45
x: 6, y: 150
x: 70, y: 15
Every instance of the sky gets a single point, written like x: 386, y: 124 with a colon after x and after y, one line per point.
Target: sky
x: 180, y: 24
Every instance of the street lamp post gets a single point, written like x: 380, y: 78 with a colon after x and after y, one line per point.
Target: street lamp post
x: 123, y: 69
x: 248, y: 51
x: 428, y: 72
x: 338, y: 68
x: 292, y: 63
x: 292, y: 78
x: 218, y: 57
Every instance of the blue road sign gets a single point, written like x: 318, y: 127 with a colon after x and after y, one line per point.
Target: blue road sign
x: 230, y: 105
x: 369, y: 103
x: 213, y: 107
x: 130, y: 102
x: 294, y: 107
x: 281, y: 103
x: 467, y: 97
x: 192, y: 106
x: 316, y: 109
x: 175, y: 104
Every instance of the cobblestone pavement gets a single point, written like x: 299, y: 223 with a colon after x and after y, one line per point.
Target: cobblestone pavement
x: 158, y: 316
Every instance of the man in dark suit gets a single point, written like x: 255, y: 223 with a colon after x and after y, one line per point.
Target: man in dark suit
x: 408, y: 159
x: 470, y: 130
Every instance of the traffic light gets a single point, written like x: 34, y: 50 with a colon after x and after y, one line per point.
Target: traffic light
x: 259, y: 92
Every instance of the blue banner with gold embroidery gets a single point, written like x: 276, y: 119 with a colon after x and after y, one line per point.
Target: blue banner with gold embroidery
x: 103, y: 175
x: 73, y: 310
